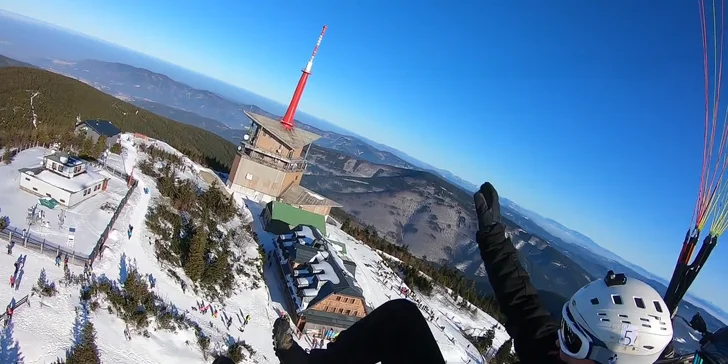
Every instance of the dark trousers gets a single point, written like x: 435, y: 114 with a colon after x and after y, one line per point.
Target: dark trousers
x: 394, y: 333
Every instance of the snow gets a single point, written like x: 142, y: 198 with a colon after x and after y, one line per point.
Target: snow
x: 75, y: 184
x: 325, y: 272
x: 44, y: 333
x: 87, y: 217
x: 378, y: 290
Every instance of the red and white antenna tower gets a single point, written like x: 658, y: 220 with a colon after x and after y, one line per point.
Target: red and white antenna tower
x: 287, y: 120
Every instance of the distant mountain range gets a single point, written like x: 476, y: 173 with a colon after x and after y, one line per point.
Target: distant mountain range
x: 9, y: 62
x: 164, y: 96
x: 160, y: 92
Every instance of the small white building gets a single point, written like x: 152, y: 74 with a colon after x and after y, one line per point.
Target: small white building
x: 64, y: 178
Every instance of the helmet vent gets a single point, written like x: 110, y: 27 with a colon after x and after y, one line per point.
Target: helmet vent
x: 617, y: 299
x: 604, y: 319
x: 645, y: 319
x: 602, y: 314
x: 658, y: 306
x: 639, y: 302
x: 595, y: 301
x: 623, y: 315
x: 647, y: 326
x: 648, y: 347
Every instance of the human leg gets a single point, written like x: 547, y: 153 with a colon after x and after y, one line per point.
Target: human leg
x: 395, y: 332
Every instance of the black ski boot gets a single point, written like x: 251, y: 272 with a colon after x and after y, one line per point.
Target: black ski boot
x: 287, y: 349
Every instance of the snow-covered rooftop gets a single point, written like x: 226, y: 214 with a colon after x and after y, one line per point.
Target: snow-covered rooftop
x: 73, y: 185
x: 304, y: 281
x: 88, y: 217
x: 327, y: 272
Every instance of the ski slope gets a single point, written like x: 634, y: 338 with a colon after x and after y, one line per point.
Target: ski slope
x: 41, y: 332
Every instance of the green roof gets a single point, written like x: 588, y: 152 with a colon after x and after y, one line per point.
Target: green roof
x: 295, y: 216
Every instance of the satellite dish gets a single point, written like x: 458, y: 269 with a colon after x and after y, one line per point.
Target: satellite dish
x: 246, y: 137
x: 240, y: 148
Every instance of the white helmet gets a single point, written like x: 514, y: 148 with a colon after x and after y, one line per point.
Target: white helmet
x: 615, y: 320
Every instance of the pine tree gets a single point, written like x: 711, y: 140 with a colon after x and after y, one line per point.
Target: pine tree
x: 504, y: 355
x: 8, y: 155
x: 116, y: 148
x: 87, y: 147
x: 195, y: 264
x: 42, y: 280
x: 86, y: 352
x: 235, y: 352
x: 486, y: 342
x: 99, y: 146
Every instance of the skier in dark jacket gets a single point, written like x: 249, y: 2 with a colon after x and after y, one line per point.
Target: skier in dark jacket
x: 614, y: 320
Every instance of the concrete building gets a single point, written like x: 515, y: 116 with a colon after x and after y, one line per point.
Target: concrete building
x: 270, y: 163
x: 325, y: 296
x: 63, y: 178
x: 337, y: 303
x: 98, y: 128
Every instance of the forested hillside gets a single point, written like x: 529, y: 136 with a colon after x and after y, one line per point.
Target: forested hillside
x: 57, y: 102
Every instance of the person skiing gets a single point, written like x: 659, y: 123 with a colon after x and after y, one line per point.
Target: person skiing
x: 613, y: 320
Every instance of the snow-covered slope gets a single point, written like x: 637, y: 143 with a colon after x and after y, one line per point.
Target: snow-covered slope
x: 41, y: 333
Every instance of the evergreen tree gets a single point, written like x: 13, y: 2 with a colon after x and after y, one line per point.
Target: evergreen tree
x: 86, y: 351
x: 504, y: 355
x: 42, y: 280
x: 4, y: 222
x: 99, y: 146
x: 195, y: 264
x: 486, y: 342
x: 87, y: 147
x: 116, y: 148
x: 235, y: 353
x: 8, y: 155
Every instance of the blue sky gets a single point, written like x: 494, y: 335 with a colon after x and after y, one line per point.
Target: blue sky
x: 587, y: 112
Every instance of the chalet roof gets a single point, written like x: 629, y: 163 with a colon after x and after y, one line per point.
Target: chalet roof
x: 330, y: 319
x: 300, y: 253
x: 103, y: 127
x: 296, y: 138
x: 345, y: 286
x: 299, y: 195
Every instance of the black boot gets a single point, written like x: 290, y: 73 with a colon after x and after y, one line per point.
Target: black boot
x: 287, y: 349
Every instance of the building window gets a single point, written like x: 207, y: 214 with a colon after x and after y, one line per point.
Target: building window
x: 27, y: 179
x: 62, y: 201
x: 77, y: 169
x: 355, y: 313
x: 338, y: 298
x: 49, y: 195
x: 35, y: 189
x: 341, y: 310
x: 347, y: 312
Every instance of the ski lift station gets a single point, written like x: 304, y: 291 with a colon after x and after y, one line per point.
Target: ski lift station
x: 66, y: 179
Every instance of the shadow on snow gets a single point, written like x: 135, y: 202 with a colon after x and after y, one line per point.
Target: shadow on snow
x: 9, y: 347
